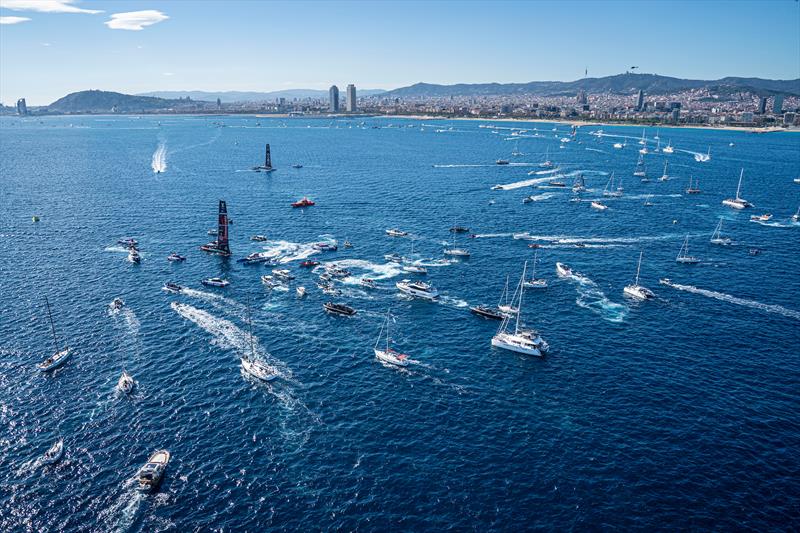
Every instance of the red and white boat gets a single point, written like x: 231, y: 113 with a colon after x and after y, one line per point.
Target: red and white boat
x: 303, y: 202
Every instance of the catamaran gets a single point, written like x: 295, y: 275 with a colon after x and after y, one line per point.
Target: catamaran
x: 521, y: 340
x: 635, y: 290
x: 665, y: 175
x: 683, y: 254
x: 668, y: 149
x: 693, y: 188
x: 640, y: 171
x: 737, y: 202
x: 609, y: 189
x: 220, y: 246
x: 388, y: 354
x: 716, y: 238
x: 60, y: 356
x: 534, y: 283
x: 267, y: 166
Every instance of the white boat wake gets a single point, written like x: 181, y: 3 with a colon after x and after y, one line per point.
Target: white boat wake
x: 523, y: 183
x: 591, y: 297
x: 286, y: 252
x: 159, y: 163
x: 541, y: 197
x: 228, y: 336
x: 770, y: 308
x: 361, y: 269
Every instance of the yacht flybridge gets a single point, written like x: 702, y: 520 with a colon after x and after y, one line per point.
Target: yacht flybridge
x: 220, y: 246
x: 635, y: 290
x: 520, y: 339
x: 386, y: 353
x: 737, y: 202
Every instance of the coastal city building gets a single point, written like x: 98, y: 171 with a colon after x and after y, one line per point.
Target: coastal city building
x: 640, y: 101
x: 333, y: 99
x: 351, y: 98
x: 762, y: 105
x: 777, y: 104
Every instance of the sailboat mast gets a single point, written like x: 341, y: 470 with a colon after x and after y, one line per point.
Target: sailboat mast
x: 250, y: 329
x: 535, y: 255
x: 52, y: 326
x: 738, y: 187
x: 638, y: 268
x: 521, y: 292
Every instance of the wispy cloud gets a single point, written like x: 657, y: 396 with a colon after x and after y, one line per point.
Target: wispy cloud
x: 46, y: 6
x: 169, y: 74
x: 13, y: 20
x: 135, y: 20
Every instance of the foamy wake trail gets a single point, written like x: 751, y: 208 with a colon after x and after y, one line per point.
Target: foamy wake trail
x: 131, y: 321
x: 775, y: 224
x: 591, y: 297
x: 451, y: 301
x: 227, y: 335
x: 116, y: 248
x: 770, y: 308
x: 159, y: 163
x: 120, y: 515
x: 596, y: 150
x: 570, y: 239
x: 224, y: 304
x: 523, y: 183
x: 541, y: 197
x: 463, y: 166
x: 361, y: 269
x: 491, y: 235
x: 286, y: 252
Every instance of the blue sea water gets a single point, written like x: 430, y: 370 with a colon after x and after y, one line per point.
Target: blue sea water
x: 675, y: 413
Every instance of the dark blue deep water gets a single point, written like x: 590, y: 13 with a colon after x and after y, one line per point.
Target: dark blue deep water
x: 676, y: 413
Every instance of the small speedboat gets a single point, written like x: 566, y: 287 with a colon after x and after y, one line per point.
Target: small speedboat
x: 338, y: 309
x: 459, y: 229
x: 600, y: 206
x: 502, y: 162
x: 172, y: 287
x: 212, y: 232
x: 215, y: 282
x: 133, y: 256
x: 488, y: 312
x: 297, y: 165
x: 415, y: 269
x: 116, y: 304
x: 149, y: 477
x: 497, y: 187
x: 556, y: 184
x: 309, y: 263
x: 755, y: 251
x: 55, y: 360
x: 563, y: 270
x: 255, y: 258
x: 176, y: 257
x: 337, y: 272
x: 394, y: 232
x: 128, y: 242
x: 270, y: 282
x: 760, y: 218
x: 126, y: 383
x: 369, y: 283
x: 639, y: 292
x: 53, y: 454
x: 325, y: 246
x: 348, y: 244
x: 535, y: 283
x: 417, y: 289
x: 394, y: 258
x: 301, y: 291
x: 457, y: 252
x: 258, y: 238
x: 303, y: 202
x: 282, y: 273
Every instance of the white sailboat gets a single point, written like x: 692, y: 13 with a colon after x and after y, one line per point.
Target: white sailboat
x: 250, y: 363
x: 388, y: 354
x: 534, y: 283
x: 683, y: 254
x: 665, y: 175
x: 454, y: 251
x: 635, y: 290
x: 609, y: 189
x: 796, y: 216
x: 546, y: 163
x: 521, y: 340
x: 647, y: 202
x: 60, y: 356
x: 717, y: 238
x: 738, y: 202
x: 504, y: 305
x: 640, y: 171
x: 642, y: 141
x: 668, y: 149
x: 703, y: 158
x: 694, y: 188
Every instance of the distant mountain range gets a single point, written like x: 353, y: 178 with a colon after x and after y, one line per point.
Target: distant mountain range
x: 229, y: 97
x: 618, y: 84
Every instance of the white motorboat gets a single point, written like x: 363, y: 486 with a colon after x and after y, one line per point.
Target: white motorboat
x: 175, y: 257
x: 270, y: 281
x: 737, y: 202
x: 520, y: 340
x: 60, y: 356
x: 125, y: 383
x: 796, y: 216
x: 301, y: 291
x: 215, y: 282
x: 635, y: 290
x: 172, y: 287
x: 394, y: 232
x: 683, y: 254
x: 703, y: 158
x: 388, y: 354
x: 116, y: 304
x: 282, y: 273
x: 454, y: 251
x: 717, y: 238
x: 258, y: 238
x: 619, y: 146
x: 563, y: 270
x: 417, y: 289
x: 415, y: 269
x: 760, y: 218
x: 149, y: 477
x: 600, y: 206
x: 668, y: 149
x: 53, y: 454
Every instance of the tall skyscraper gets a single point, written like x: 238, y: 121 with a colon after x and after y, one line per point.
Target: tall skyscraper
x: 640, y: 101
x: 762, y: 105
x: 334, y: 99
x: 351, y: 98
x: 22, y: 107
x: 777, y: 104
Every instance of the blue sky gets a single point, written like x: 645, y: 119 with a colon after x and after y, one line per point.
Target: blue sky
x: 261, y: 46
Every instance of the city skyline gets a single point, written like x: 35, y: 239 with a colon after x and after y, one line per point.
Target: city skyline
x: 49, y: 49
